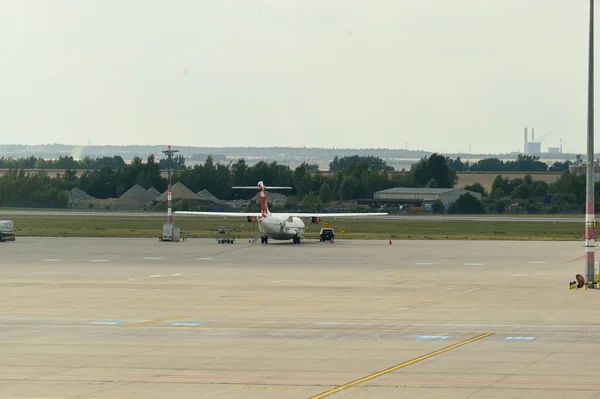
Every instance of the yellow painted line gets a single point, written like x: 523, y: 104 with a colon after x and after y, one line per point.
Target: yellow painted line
x: 578, y: 258
x: 185, y: 316
x: 402, y: 272
x: 399, y: 366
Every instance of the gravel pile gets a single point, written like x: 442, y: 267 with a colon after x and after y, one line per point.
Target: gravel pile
x: 77, y: 198
x: 208, y: 196
x: 116, y: 204
x: 236, y: 204
x: 154, y: 193
x: 179, y: 191
x: 137, y: 193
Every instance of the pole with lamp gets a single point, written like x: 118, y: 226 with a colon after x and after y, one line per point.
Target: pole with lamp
x: 169, y: 153
x: 590, y: 224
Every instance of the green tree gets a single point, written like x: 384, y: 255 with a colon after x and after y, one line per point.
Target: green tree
x: 325, y: 193
x: 435, y: 167
x: 476, y: 188
x: 312, y: 202
x: 347, y: 188
x: 438, y: 207
x: 466, y: 204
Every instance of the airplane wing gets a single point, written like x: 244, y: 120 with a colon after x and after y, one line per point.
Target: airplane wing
x: 335, y: 215
x: 220, y: 214
x: 300, y: 215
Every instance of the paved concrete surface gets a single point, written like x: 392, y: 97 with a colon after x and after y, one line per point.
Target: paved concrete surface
x: 6, y: 213
x: 135, y: 318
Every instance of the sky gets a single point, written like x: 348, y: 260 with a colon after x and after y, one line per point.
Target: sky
x: 420, y: 74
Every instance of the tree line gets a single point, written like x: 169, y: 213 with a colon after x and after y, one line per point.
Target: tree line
x: 358, y: 178
x: 526, y: 195
x: 523, y: 163
x: 352, y: 178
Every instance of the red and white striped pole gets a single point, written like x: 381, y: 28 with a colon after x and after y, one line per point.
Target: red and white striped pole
x: 169, y: 153
x: 169, y: 203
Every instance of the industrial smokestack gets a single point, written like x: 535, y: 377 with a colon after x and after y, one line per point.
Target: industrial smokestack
x: 525, y: 143
x: 532, y: 134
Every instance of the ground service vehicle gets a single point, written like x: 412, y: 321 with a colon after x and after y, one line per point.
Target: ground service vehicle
x: 326, y: 234
x: 7, y: 230
x: 225, y: 235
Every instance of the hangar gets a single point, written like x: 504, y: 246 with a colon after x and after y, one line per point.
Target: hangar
x: 417, y: 196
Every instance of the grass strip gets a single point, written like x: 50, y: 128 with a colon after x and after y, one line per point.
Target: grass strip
x: 151, y: 227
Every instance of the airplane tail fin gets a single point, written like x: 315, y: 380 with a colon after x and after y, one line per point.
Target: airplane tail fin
x: 264, y: 208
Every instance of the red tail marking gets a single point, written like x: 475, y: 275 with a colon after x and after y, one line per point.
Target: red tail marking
x: 263, y: 200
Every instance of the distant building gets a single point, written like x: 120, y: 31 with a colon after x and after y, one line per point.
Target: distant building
x: 417, y: 196
x: 582, y: 170
x: 533, y: 148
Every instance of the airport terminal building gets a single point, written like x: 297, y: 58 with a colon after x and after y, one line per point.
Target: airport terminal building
x: 417, y: 196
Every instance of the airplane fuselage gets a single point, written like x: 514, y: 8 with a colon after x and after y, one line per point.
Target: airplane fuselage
x: 281, y: 227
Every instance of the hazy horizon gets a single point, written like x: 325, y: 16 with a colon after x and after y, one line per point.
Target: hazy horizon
x: 423, y: 74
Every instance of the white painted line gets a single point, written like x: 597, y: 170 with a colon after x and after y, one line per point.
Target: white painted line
x: 473, y: 289
x: 50, y: 260
x: 152, y: 258
x: 520, y: 275
x: 315, y: 283
x: 377, y: 297
x: 176, y: 274
x: 473, y: 264
x: 105, y: 322
x: 432, y: 337
x: 98, y: 260
x: 155, y: 275
x: 205, y: 258
x: 332, y: 323
x: 423, y: 264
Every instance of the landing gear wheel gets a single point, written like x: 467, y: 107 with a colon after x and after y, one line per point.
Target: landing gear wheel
x: 264, y: 239
x: 296, y: 240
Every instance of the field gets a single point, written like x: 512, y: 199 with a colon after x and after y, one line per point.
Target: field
x: 487, y: 178
x: 147, y: 227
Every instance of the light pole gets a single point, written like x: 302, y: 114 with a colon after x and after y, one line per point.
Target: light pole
x: 590, y: 231
x: 169, y: 153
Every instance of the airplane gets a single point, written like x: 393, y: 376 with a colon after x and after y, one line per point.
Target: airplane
x: 277, y: 226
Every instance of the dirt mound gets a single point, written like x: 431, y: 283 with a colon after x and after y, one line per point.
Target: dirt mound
x: 137, y: 193
x: 154, y: 193
x: 78, y: 198
x: 208, y: 196
x: 115, y: 204
x: 179, y: 191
